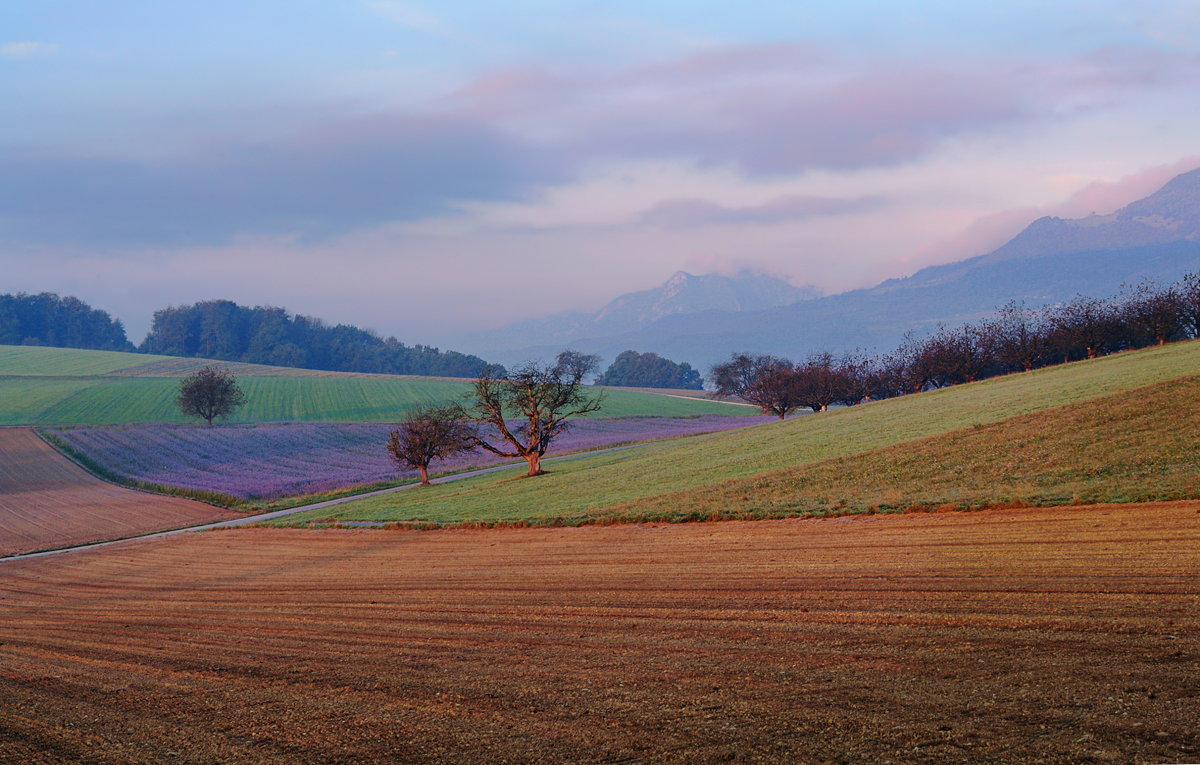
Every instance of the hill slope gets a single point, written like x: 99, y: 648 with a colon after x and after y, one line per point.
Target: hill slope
x: 50, y: 386
x: 599, y: 484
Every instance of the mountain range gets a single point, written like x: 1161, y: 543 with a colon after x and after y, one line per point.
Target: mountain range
x: 702, y: 319
x: 683, y: 294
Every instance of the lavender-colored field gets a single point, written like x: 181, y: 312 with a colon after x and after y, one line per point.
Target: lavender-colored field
x: 283, y: 459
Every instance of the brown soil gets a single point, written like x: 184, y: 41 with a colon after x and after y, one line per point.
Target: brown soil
x: 1066, y: 635
x: 48, y: 501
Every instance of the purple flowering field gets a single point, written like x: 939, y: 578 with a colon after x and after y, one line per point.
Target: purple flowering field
x: 271, y: 460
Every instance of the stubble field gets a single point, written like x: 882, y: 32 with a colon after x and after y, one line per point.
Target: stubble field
x: 1069, y: 634
x: 48, y: 501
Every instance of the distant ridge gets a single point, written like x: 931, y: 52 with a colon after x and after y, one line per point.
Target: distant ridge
x: 683, y: 294
x: 1052, y: 260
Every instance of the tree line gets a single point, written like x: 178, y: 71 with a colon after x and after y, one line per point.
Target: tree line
x: 1017, y: 339
x: 61, y: 322
x: 221, y: 329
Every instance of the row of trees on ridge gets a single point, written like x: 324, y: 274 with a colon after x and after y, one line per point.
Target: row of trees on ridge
x: 61, y: 322
x: 222, y: 329
x: 1017, y: 339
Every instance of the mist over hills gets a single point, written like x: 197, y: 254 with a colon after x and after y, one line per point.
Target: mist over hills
x: 683, y: 294
x: 1052, y: 260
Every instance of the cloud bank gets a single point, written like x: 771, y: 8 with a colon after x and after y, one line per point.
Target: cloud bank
x: 571, y: 179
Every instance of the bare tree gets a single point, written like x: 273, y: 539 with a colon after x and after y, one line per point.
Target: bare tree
x: 914, y: 365
x: 1020, y: 337
x: 209, y: 393
x: 822, y: 382
x: 540, y: 397
x: 1087, y: 325
x: 963, y: 353
x: 769, y: 382
x: 427, y: 434
x: 863, y: 378
x: 1161, y: 315
x: 1189, y: 296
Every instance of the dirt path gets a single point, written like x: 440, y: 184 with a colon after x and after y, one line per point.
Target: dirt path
x: 46, y: 500
x: 1067, y: 635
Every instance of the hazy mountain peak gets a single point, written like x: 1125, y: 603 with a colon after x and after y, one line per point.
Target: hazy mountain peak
x: 701, y: 319
x: 681, y: 294
x: 684, y: 293
x: 1177, y: 202
x: 1170, y: 214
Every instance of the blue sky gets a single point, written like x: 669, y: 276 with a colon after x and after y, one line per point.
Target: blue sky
x: 425, y: 168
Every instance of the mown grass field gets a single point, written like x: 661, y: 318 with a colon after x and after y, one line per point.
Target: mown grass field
x: 62, y: 362
x: 1135, y: 446
x: 55, y: 386
x: 623, y: 481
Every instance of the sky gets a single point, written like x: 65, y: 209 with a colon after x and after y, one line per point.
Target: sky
x: 425, y: 169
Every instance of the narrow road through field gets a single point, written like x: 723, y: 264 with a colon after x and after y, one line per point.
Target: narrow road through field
x: 292, y: 510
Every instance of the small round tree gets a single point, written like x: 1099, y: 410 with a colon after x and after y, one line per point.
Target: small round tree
x: 210, y: 393
x: 428, y: 434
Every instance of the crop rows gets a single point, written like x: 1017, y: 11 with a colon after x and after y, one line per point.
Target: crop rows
x: 33, y: 400
x: 285, y: 459
x: 1066, y: 635
x: 48, y: 501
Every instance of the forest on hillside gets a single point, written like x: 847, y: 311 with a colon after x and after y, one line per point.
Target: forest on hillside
x: 221, y: 329
x: 62, y: 322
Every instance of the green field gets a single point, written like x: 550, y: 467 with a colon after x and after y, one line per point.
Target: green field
x: 624, y: 481
x: 67, y: 362
x: 56, y: 386
x: 1133, y: 446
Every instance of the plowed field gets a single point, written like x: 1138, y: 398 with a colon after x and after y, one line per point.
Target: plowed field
x: 1070, y: 634
x: 48, y: 501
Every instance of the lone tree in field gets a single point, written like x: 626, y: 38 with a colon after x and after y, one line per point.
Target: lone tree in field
x: 540, y: 398
x: 425, y: 435
x: 209, y: 393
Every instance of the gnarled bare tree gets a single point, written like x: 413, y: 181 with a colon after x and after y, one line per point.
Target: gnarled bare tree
x: 540, y: 398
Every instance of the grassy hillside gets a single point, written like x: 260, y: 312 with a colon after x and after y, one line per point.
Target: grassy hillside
x: 1134, y: 446
x: 67, y: 362
x: 58, y: 386
x: 602, y: 483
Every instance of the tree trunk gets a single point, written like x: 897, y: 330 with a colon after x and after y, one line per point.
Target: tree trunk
x: 424, y: 474
x: 535, y: 464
